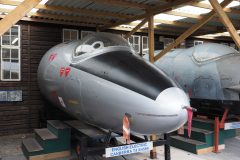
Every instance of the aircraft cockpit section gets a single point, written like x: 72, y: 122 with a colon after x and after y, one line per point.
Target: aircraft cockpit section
x: 201, y: 52
x: 97, y: 44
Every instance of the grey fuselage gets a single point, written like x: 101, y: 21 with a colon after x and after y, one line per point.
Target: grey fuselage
x: 98, y: 81
x: 208, y: 72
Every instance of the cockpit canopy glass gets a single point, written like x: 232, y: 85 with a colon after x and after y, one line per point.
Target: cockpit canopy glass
x: 210, y: 51
x: 99, y: 41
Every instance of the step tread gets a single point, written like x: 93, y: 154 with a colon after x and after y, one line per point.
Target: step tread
x: 32, y: 145
x: 187, y: 140
x: 199, y: 130
x: 204, y: 120
x: 45, y: 134
x: 57, y: 124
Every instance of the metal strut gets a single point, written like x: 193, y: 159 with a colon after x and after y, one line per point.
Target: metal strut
x: 167, y: 152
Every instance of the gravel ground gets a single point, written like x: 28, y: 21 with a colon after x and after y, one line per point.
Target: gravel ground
x: 10, y: 149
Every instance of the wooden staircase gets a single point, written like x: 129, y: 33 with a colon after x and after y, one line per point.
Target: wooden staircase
x: 202, y: 137
x: 49, y: 143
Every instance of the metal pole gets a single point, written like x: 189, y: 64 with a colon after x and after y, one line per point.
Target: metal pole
x: 167, y: 153
x: 216, y: 134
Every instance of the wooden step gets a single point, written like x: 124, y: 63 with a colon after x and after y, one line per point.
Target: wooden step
x: 188, y: 140
x: 200, y: 135
x: 187, y: 144
x: 203, y: 124
x: 57, y: 124
x: 32, y: 145
x: 194, y: 129
x: 45, y: 134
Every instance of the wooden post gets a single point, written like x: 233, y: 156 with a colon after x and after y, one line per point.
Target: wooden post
x: 153, y: 152
x: 136, y: 28
x: 191, y: 30
x: 226, y: 21
x: 151, y: 39
x: 17, y: 14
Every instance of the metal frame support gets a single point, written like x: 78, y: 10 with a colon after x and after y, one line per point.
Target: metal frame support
x: 167, y: 152
x: 224, y: 118
x: 217, y: 126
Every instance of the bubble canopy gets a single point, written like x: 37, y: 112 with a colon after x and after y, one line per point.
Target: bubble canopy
x: 201, y: 53
x: 98, y: 41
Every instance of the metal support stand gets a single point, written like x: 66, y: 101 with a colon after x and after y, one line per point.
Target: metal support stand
x: 167, y: 152
x: 217, y: 126
x: 82, y: 148
x: 108, y: 138
x: 216, y: 134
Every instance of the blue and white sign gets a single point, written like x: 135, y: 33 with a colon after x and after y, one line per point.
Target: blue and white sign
x: 232, y: 125
x: 128, y: 149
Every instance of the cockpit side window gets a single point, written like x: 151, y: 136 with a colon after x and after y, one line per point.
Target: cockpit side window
x: 85, y: 48
x: 91, y: 44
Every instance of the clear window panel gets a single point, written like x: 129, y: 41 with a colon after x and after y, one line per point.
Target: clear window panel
x: 14, y: 53
x: 5, y: 53
x: 6, y: 74
x: 14, y: 65
x: 14, y: 40
x: 6, y: 64
x: 14, y: 30
x: 5, y: 40
x: 10, y: 53
x: 14, y: 74
x: 136, y: 48
x: 74, y: 35
x: 131, y: 40
x: 136, y: 39
x: 7, y: 33
x: 66, y: 35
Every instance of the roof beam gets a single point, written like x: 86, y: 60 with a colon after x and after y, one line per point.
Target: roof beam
x: 191, y: 30
x: 207, y: 6
x: 122, y: 3
x: 226, y: 21
x: 71, y: 10
x: 32, y: 19
x: 70, y: 18
x: 151, y: 11
x: 178, y: 24
x: 61, y: 17
x: 194, y: 16
x: 17, y: 14
x: 151, y: 38
x: 136, y: 28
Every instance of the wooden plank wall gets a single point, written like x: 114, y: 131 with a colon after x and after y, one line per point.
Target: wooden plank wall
x: 22, y: 117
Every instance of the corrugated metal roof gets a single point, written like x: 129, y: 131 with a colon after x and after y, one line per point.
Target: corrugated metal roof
x: 104, y: 12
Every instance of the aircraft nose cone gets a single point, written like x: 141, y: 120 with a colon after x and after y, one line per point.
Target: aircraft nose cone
x: 172, y: 103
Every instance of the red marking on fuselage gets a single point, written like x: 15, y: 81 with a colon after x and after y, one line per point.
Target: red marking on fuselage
x: 190, y: 92
x: 67, y: 70
x: 52, y: 56
x: 62, y: 70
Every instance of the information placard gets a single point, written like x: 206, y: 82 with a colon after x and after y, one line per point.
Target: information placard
x: 128, y: 149
x: 231, y: 125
